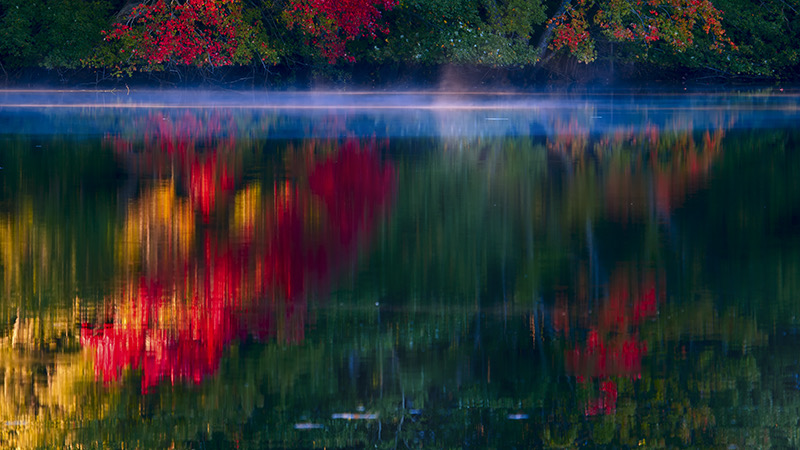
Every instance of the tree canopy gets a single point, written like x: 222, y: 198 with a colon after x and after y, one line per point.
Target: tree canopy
x: 727, y: 37
x: 673, y: 22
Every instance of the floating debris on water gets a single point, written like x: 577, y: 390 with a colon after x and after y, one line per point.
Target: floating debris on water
x: 355, y: 416
x: 517, y: 417
x: 308, y: 426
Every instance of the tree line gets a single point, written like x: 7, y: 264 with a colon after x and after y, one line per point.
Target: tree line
x: 727, y: 38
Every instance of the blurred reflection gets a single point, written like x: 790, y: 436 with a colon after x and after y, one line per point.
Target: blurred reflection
x: 541, y: 278
x: 187, y: 146
x: 645, y: 171
x: 202, y: 286
x: 609, y: 344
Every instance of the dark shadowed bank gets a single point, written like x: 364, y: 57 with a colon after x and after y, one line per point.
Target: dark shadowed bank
x: 560, y: 74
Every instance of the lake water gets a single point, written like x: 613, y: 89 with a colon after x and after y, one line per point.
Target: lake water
x: 400, y: 270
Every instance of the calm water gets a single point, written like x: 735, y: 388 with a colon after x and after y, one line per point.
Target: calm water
x: 256, y: 270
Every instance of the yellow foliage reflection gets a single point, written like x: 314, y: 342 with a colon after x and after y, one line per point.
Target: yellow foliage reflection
x: 159, y: 227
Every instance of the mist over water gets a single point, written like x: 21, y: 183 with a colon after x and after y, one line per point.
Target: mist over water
x: 435, y: 269
x: 402, y: 114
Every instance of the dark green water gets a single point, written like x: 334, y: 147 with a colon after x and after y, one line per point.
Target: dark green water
x: 399, y: 271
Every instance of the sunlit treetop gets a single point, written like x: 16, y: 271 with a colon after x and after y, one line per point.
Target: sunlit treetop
x: 330, y: 24
x: 672, y: 22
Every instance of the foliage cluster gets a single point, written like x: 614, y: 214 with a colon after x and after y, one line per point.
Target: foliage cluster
x: 729, y: 37
x: 329, y: 26
x: 50, y: 33
x: 673, y: 23
x: 196, y: 32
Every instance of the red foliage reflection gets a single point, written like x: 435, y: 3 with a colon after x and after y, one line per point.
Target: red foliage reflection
x: 606, y: 403
x: 612, y: 346
x: 204, y: 177
x: 352, y: 180
x: 189, y: 348
x: 191, y: 147
x: 176, y: 322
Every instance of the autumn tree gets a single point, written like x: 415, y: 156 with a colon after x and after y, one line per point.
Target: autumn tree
x: 330, y: 24
x: 766, y: 34
x: 671, y: 22
x: 155, y: 35
x: 192, y: 32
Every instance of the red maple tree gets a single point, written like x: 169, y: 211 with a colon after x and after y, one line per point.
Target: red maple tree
x: 331, y: 24
x: 190, y: 32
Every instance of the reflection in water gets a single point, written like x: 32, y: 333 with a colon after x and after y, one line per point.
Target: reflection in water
x: 180, y: 317
x: 612, y: 346
x: 584, y: 275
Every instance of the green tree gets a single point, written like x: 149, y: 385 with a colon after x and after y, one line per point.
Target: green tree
x: 50, y: 33
x: 492, y: 32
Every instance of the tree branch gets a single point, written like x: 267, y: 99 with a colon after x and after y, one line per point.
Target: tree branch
x: 548, y: 33
x: 5, y: 74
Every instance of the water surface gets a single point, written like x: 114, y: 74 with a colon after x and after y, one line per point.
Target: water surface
x: 399, y: 270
